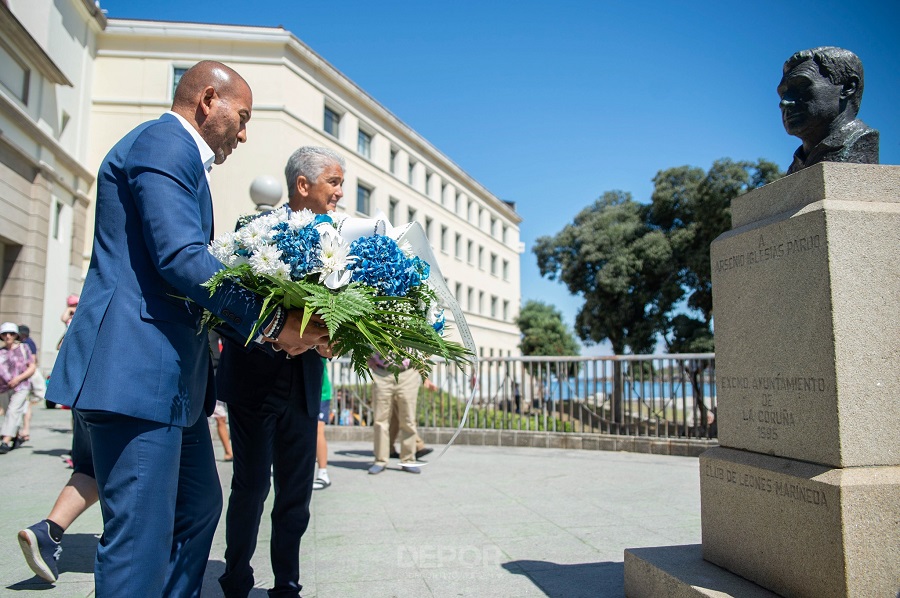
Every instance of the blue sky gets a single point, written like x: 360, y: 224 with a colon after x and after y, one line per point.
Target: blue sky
x: 549, y: 104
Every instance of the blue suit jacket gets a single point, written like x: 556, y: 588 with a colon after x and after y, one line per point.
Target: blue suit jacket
x: 133, y: 346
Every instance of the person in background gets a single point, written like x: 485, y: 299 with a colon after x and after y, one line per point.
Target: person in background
x: 67, y: 315
x: 220, y: 414
x: 38, y: 384
x: 16, y: 367
x: 421, y: 449
x: 322, y: 480
x: 394, y: 393
x: 41, y: 543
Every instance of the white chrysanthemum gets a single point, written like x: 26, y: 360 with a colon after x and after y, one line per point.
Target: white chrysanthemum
x: 255, y: 234
x: 280, y: 215
x: 335, y: 256
x: 407, y: 249
x: 301, y: 218
x: 282, y: 271
x: 222, y: 248
x: 266, y: 260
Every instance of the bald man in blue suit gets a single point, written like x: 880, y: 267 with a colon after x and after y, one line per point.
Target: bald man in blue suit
x: 136, y: 364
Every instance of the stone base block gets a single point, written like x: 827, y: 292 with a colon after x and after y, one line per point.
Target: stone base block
x: 806, y: 289
x: 681, y: 572
x: 801, y: 529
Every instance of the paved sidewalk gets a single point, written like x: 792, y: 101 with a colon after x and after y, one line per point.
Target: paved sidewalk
x: 481, y: 521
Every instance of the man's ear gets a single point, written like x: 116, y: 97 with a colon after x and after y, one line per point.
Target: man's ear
x: 209, y: 94
x: 302, y: 186
x: 850, y: 88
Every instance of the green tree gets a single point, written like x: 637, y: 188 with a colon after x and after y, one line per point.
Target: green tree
x: 620, y: 266
x: 544, y: 332
x: 692, y: 208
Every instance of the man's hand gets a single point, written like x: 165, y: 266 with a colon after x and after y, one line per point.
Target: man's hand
x: 326, y: 351
x: 293, y: 342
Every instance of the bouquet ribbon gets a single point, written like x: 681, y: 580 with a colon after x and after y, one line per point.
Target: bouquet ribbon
x: 352, y: 228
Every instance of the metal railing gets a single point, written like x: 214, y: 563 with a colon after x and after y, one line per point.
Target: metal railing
x: 666, y: 396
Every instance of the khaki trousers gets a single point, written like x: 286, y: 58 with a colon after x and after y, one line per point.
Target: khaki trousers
x: 395, y: 396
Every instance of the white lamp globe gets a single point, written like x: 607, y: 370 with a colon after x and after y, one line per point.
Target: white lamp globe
x: 265, y: 191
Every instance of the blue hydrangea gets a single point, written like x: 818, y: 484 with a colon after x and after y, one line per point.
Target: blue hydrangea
x: 382, y: 264
x: 300, y: 249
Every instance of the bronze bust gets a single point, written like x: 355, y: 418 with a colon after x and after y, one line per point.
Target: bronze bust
x: 820, y: 91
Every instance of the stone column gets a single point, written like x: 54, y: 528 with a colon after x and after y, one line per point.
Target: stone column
x: 803, y: 495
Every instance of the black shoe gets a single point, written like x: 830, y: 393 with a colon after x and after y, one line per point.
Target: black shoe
x: 4, y: 448
x: 17, y: 442
x: 394, y: 454
x: 40, y: 550
x: 423, y: 452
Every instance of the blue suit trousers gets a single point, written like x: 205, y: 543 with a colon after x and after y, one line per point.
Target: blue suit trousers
x: 161, y: 502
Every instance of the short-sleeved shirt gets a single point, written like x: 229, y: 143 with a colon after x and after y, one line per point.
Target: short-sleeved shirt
x: 13, y: 362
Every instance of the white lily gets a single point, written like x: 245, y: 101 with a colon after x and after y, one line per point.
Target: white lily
x: 335, y: 256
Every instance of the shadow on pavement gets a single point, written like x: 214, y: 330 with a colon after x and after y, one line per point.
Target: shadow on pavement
x: 583, y: 580
x: 78, y: 553
x: 361, y: 453
x: 52, y: 452
x: 214, y: 569
x: 361, y: 465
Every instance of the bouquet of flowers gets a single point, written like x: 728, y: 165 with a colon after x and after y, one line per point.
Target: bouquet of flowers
x: 372, y: 292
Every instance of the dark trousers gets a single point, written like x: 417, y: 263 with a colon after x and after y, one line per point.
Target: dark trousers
x: 160, y: 497
x: 277, y: 436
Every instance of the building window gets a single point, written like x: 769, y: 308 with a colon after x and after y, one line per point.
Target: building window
x: 410, y: 215
x: 459, y: 292
x: 470, y: 253
x: 443, y: 193
x: 458, y: 247
x: 481, y: 302
x: 411, y: 173
x: 470, y: 303
x: 57, y: 216
x: 505, y: 311
x: 393, y: 163
x: 428, y: 222
x: 494, y: 264
x: 177, y: 73
x: 470, y: 215
x: 493, y: 306
x: 505, y: 270
x: 363, y: 198
x: 480, y: 257
x: 444, y: 236
x: 428, y: 176
x: 364, y: 144
x: 457, y: 204
x: 504, y: 233
x: 392, y: 210
x: 332, y: 122
x: 493, y: 227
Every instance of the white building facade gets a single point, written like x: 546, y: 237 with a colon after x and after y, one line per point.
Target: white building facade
x: 300, y: 99
x: 47, y: 51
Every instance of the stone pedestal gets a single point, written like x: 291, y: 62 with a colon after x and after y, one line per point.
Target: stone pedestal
x: 803, y: 498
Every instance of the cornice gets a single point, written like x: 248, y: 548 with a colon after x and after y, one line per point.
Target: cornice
x: 297, y: 52
x: 23, y: 120
x: 93, y: 9
x: 18, y: 37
